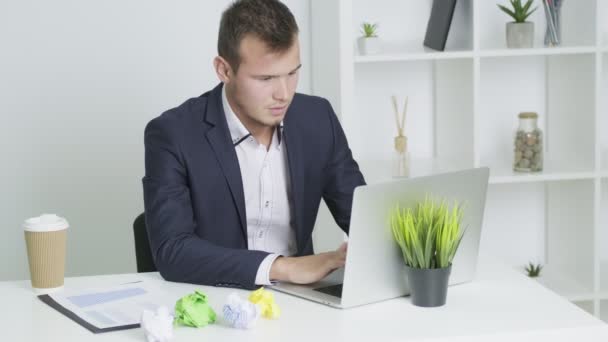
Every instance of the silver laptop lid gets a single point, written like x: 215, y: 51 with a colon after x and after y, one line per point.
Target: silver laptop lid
x: 374, y: 266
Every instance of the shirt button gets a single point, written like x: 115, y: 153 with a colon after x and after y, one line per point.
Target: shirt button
x: 267, y: 204
x: 260, y: 234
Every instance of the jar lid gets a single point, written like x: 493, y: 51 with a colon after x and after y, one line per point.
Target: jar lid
x: 528, y: 115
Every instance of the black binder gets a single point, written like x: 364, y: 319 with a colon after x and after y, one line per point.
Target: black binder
x: 439, y: 23
x: 90, y: 327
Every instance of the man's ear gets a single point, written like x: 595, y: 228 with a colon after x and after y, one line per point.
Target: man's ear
x: 223, y: 69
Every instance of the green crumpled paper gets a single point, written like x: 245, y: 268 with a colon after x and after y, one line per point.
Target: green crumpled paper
x: 194, y: 311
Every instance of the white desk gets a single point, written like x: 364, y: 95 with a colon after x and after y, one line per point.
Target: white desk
x: 500, y: 305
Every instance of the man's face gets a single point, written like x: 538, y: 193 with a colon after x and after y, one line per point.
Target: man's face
x: 264, y: 84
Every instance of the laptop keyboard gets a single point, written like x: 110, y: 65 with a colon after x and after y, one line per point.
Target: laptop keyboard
x: 332, y: 290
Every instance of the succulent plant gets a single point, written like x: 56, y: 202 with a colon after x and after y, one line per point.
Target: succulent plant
x: 519, y: 12
x: 533, y: 270
x: 369, y: 30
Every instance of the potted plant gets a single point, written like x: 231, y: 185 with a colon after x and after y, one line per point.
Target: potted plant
x: 533, y: 270
x: 520, y: 33
x: 369, y: 43
x: 428, y: 236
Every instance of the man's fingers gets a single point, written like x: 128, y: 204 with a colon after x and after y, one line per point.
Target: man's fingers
x: 339, y: 260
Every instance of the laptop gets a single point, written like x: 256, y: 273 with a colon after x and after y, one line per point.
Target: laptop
x: 374, y: 270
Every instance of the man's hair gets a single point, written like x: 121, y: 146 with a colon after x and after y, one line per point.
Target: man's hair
x: 268, y: 20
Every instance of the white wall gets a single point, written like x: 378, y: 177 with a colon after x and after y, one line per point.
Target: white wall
x: 78, y: 82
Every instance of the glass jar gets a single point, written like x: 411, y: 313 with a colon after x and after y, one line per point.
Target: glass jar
x: 528, y: 147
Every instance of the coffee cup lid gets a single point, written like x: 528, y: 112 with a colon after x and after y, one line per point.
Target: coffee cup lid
x: 45, y: 223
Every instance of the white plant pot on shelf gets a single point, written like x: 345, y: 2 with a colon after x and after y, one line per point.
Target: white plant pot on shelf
x: 520, y: 35
x: 368, y: 46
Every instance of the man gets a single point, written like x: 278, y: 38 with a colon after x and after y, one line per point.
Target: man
x: 234, y: 178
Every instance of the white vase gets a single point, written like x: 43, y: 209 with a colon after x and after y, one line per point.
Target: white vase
x: 369, y: 45
x: 520, y: 35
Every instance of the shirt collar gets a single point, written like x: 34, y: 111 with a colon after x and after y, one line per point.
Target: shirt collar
x: 235, y: 126
x: 238, y: 131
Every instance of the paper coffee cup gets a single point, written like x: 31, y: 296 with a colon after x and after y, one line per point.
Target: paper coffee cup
x: 45, y: 238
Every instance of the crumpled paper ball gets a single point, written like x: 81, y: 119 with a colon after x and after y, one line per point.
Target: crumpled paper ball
x: 194, y: 311
x: 157, y: 326
x: 240, y: 313
x: 265, y: 300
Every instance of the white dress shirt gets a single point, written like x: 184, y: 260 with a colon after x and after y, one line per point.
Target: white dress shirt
x: 267, y: 192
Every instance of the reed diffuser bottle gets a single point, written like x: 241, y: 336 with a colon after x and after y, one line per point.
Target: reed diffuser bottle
x: 401, y: 160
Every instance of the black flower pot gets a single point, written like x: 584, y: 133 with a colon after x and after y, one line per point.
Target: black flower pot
x: 428, y: 286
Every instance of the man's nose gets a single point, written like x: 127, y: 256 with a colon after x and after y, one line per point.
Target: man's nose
x: 280, y: 91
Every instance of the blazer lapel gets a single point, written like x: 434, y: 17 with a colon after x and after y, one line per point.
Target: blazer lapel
x: 294, y: 152
x: 219, y: 139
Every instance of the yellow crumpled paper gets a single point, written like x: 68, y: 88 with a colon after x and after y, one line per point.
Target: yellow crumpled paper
x: 265, y: 300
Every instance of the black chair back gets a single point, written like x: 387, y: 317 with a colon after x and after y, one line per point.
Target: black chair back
x: 143, y: 253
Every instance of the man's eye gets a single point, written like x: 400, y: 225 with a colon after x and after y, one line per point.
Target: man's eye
x: 267, y: 78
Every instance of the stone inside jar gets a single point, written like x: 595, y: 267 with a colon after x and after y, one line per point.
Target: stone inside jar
x: 528, y: 151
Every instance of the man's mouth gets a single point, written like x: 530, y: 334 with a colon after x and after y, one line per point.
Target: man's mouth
x: 278, y: 110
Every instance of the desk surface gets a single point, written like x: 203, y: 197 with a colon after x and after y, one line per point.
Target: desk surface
x: 499, y: 305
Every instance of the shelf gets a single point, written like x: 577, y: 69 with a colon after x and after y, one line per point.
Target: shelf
x: 539, y: 51
x: 535, y: 222
x: 555, y: 87
x: 402, y: 35
x: 440, y: 110
x: 567, y: 287
x: 602, y: 14
x: 604, y: 162
x: 586, y: 305
x: 462, y: 112
x: 502, y: 173
x: 376, y: 171
x: 511, y: 218
x: 422, y: 55
x: 603, y: 294
x: 603, y: 238
x: 578, y: 20
x: 570, y: 238
x: 603, y: 114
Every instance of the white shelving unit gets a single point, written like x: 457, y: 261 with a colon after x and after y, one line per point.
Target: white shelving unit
x: 462, y: 113
x: 603, y: 126
x: 586, y: 305
x: 603, y: 239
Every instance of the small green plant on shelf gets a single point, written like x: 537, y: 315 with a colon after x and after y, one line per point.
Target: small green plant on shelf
x: 369, y: 30
x: 520, y: 12
x: 533, y: 270
x: 369, y: 43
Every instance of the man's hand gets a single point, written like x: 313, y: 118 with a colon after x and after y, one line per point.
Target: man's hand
x: 308, y: 269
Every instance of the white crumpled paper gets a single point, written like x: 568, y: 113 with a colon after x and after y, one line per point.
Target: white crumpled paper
x: 240, y: 313
x: 157, y: 326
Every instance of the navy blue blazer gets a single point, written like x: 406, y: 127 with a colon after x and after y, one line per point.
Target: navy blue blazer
x: 193, y: 190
